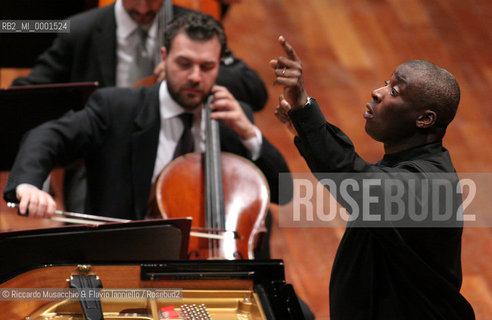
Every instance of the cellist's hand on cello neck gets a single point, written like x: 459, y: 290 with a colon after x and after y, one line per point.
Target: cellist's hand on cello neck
x: 39, y: 203
x: 225, y: 107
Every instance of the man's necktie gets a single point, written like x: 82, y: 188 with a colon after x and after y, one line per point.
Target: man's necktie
x: 185, y: 143
x: 143, y: 62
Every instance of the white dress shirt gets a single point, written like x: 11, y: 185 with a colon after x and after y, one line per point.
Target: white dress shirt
x: 126, y: 41
x: 172, y: 128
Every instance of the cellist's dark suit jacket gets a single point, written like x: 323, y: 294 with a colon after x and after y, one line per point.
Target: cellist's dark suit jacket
x: 88, y: 53
x: 117, y: 134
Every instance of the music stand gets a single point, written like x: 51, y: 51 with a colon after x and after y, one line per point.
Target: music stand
x: 26, y: 107
x: 112, y: 243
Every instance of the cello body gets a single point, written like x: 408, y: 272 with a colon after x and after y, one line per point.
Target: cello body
x: 180, y: 192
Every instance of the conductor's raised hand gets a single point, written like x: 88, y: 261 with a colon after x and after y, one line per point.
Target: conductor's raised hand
x: 39, y: 203
x: 288, y: 72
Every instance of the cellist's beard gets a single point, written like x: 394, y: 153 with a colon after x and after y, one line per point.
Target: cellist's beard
x: 192, y: 85
x: 142, y: 19
x: 189, y: 96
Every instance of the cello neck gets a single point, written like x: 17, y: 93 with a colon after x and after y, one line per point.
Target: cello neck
x: 215, y: 213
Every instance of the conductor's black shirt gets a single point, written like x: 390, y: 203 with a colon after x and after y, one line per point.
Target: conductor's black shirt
x: 385, y: 270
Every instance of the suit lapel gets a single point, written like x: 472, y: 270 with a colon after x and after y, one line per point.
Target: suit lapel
x: 144, y: 144
x: 105, y: 42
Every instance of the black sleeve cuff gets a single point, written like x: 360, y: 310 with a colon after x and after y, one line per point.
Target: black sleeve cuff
x: 307, y: 117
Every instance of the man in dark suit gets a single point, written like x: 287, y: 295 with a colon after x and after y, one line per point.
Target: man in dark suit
x: 100, y: 43
x: 127, y: 135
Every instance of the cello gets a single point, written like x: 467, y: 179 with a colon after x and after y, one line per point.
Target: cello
x: 225, y: 194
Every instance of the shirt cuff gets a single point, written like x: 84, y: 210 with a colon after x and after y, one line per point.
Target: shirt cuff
x: 254, y: 144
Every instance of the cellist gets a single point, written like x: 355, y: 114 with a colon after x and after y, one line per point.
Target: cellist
x: 126, y: 136
x: 105, y: 44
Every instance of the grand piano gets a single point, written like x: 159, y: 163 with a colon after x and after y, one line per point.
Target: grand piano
x: 133, y: 271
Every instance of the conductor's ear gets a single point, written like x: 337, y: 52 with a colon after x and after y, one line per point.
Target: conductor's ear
x: 427, y: 119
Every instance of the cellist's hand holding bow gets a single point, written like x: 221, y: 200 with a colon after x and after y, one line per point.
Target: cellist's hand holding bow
x: 39, y: 203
